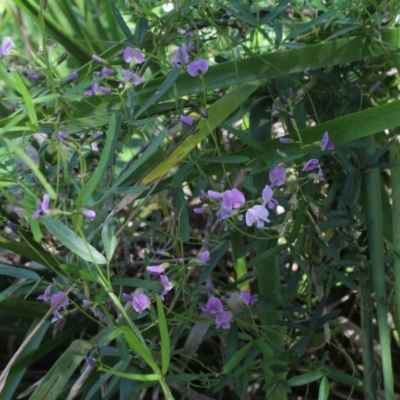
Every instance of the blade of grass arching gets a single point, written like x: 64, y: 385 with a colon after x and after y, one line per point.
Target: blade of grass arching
x: 217, y: 113
x: 106, y: 158
x: 372, y: 206
x: 366, y: 310
x: 57, y: 378
x: 271, y: 65
x: 236, y: 238
x: 395, y: 183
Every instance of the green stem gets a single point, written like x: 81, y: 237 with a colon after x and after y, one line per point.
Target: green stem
x: 367, y: 337
x: 373, y: 215
x: 268, y: 274
x: 395, y: 184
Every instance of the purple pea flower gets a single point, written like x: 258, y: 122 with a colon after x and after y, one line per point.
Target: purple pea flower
x: 233, y: 199
x: 215, y: 195
x: 140, y: 302
x: 72, y: 77
x: 285, y: 141
x: 267, y: 197
x: 197, y: 67
x: 320, y: 175
x: 203, y: 113
x: 257, y: 215
x: 46, y: 294
x: 154, y: 270
x: 277, y: 176
x: 133, y: 56
x: 5, y: 48
x: 166, y: 284
x: 326, y: 144
x: 248, y: 299
x: 223, y: 320
x: 62, y: 137
x: 186, y: 120
x: 97, y: 90
x: 213, y: 306
x: 224, y: 213
x: 131, y: 77
x: 204, y: 257
x: 199, y: 210
x: 181, y: 56
x: 89, y: 214
x: 107, y: 71
x: 310, y: 165
x: 64, y: 303
x: 86, y: 303
x: 97, y: 58
x: 89, y: 362
x: 42, y: 207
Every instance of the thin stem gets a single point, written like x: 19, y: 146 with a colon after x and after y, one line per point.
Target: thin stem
x: 373, y: 216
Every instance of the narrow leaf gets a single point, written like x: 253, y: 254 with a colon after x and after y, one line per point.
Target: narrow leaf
x: 165, y: 342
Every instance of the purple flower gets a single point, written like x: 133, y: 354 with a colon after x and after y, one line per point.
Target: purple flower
x: 131, y: 77
x: 89, y: 362
x: 153, y: 270
x: 42, y: 207
x: 248, y: 299
x: 11, y: 225
x: 285, y: 141
x: 181, y: 56
x: 186, y: 120
x: 277, y: 176
x: 64, y: 303
x: 107, y: 71
x: 257, y: 215
x: 209, y: 288
x: 320, y: 175
x: 133, y: 56
x: 192, y: 47
x: 267, y: 197
x: 376, y: 86
x: 62, y: 137
x: 224, y: 213
x: 213, y: 306
x: 167, y: 285
x: 197, y: 67
x: 223, y: 320
x: 310, y: 165
x: 97, y: 135
x: 326, y: 144
x: 199, y: 210
x: 204, y: 257
x: 97, y: 90
x: 233, y: 199
x: 46, y: 295
x: 214, y: 195
x: 5, y: 48
x: 86, y: 303
x: 72, y: 77
x: 97, y: 58
x: 89, y: 214
x: 140, y: 303
x: 203, y: 113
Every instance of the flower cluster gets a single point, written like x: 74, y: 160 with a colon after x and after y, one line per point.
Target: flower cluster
x: 54, y: 299
x: 214, y: 307
x: 195, y: 68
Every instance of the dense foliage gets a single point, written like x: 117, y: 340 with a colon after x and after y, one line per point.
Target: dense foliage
x: 199, y: 199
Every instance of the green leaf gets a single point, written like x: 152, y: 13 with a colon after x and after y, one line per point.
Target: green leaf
x: 183, y: 216
x: 164, y: 335
x: 121, y: 22
x: 127, y: 375
x: 265, y: 348
x: 305, y: 378
x: 60, y: 373
x: 73, y: 242
x: 27, y: 99
x: 110, y: 241
x: 169, y: 81
x: 139, y: 283
x: 107, y: 156
x: 323, y: 393
x: 135, y: 344
x: 342, y: 377
x: 18, y: 272
x: 217, y: 113
x: 267, y: 254
x: 227, y: 159
x: 239, y: 355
